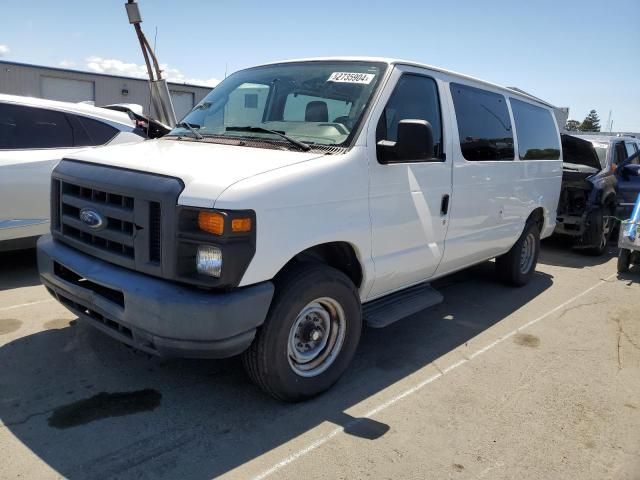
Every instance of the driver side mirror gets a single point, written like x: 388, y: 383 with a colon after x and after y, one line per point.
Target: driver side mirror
x: 631, y: 170
x: 414, y: 143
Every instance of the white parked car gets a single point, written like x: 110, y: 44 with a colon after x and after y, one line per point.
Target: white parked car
x: 298, y: 201
x: 34, y: 135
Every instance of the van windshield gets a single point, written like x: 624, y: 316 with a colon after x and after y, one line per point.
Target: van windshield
x: 601, y: 150
x: 316, y: 103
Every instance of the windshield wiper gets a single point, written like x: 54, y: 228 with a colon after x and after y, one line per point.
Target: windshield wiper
x: 191, y: 129
x: 301, y: 145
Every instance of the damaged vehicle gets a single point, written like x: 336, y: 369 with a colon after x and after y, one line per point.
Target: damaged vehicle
x: 592, y: 175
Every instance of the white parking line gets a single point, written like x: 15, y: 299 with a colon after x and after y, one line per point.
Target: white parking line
x: 410, y: 391
x: 38, y: 302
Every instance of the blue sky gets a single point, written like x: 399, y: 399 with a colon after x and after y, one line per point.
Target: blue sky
x: 582, y: 55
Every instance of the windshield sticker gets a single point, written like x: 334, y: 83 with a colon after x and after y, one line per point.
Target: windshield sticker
x: 346, y: 77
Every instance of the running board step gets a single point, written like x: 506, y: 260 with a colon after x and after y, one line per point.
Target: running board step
x: 384, y: 311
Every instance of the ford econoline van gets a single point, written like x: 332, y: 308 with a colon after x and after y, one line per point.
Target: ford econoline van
x: 297, y: 202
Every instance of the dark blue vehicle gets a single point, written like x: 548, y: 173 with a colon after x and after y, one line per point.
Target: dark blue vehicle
x: 600, y: 181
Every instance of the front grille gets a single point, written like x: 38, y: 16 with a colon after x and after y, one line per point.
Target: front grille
x: 155, y: 232
x: 124, y: 217
x: 115, y: 236
x: 87, y: 311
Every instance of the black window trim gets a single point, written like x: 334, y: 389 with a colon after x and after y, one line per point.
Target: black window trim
x: 461, y: 82
x: 442, y: 157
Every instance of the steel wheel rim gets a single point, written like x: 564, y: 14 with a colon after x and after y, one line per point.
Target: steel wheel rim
x: 527, y: 253
x: 606, y: 227
x: 316, y: 337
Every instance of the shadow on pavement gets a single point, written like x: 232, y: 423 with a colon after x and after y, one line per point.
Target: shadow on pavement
x: 18, y: 269
x: 558, y: 252
x: 203, y: 418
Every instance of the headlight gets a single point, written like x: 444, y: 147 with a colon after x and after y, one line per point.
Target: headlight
x: 204, y: 236
x: 209, y: 261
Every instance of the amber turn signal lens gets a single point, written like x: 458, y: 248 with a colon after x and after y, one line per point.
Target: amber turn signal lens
x: 239, y: 225
x: 211, y: 222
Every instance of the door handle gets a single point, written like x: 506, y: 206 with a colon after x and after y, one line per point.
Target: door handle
x: 444, y: 205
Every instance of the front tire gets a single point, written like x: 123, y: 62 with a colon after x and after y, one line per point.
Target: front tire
x: 310, y: 335
x: 516, y: 267
x: 603, y: 218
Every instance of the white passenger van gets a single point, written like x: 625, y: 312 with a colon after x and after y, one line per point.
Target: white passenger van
x: 296, y: 202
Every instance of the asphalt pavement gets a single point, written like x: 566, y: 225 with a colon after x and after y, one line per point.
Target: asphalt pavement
x: 539, y: 382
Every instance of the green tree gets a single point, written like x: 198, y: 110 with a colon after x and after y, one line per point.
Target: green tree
x: 572, y: 126
x: 591, y: 122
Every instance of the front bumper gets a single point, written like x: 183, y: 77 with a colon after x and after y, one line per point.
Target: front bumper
x: 571, y: 225
x: 153, y: 315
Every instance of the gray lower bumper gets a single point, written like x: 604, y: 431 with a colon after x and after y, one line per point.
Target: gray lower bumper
x: 572, y: 225
x: 153, y: 315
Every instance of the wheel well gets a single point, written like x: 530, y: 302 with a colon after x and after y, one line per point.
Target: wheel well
x: 339, y: 255
x: 537, y: 216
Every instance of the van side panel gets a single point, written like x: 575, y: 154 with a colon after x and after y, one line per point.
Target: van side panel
x: 303, y: 205
x: 408, y: 226
x: 491, y: 201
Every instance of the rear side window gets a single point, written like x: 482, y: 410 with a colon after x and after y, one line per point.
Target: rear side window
x: 484, y: 125
x: 537, y: 135
x: 33, y: 128
x: 99, y: 132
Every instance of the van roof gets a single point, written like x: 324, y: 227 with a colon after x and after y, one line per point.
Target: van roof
x: 80, y: 108
x: 605, y: 138
x: 516, y: 92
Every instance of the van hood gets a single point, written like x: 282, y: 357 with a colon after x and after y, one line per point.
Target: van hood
x: 206, y: 169
x: 577, y: 151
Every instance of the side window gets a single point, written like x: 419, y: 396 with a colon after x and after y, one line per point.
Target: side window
x: 537, y: 134
x: 483, y: 124
x: 33, y: 128
x: 620, y: 153
x: 631, y: 148
x: 414, y: 98
x: 250, y: 100
x: 8, y: 127
x: 99, y: 132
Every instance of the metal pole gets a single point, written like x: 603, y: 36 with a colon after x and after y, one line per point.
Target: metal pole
x: 159, y: 90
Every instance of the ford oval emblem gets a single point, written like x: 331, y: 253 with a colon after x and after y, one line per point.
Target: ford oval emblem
x: 91, y: 218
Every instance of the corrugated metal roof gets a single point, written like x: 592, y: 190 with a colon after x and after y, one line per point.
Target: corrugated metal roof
x: 84, y: 72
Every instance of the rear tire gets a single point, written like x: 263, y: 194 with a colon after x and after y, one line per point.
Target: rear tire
x: 624, y: 260
x: 310, y: 335
x: 516, y: 267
